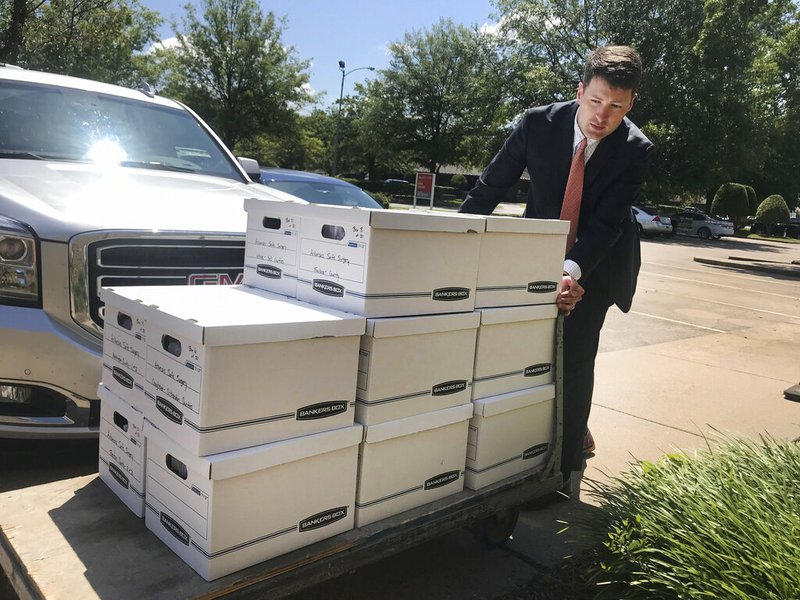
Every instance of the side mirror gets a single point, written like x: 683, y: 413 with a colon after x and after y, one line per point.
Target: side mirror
x: 251, y: 167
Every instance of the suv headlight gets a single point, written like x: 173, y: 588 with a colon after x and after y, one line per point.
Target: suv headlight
x: 19, y: 272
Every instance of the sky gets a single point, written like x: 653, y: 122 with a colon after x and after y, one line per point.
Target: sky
x: 355, y: 31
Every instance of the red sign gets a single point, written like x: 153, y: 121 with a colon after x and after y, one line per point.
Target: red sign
x: 424, y: 187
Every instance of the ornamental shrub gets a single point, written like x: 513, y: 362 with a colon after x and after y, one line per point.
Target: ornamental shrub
x: 458, y: 181
x: 731, y: 200
x: 772, y: 210
x: 383, y: 199
x: 721, y: 523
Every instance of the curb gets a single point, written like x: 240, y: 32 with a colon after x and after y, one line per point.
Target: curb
x: 788, y: 270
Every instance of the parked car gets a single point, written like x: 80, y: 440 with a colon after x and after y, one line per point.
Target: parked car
x: 316, y: 188
x: 696, y: 223
x: 99, y: 186
x: 790, y: 229
x: 650, y: 223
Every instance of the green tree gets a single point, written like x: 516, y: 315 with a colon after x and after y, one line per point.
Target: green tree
x: 772, y: 210
x: 731, y: 200
x: 232, y: 67
x: 432, y: 98
x: 545, y: 43
x: 97, y: 39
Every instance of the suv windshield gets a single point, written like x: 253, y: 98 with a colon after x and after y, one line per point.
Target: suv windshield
x: 57, y: 123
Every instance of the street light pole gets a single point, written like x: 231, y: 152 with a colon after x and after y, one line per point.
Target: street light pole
x: 339, y: 115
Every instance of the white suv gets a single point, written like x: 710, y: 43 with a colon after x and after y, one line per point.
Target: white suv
x: 99, y: 186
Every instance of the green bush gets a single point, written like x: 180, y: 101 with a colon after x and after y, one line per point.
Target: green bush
x: 772, y: 210
x: 458, y: 181
x: 383, y: 199
x: 731, y: 200
x: 721, y: 524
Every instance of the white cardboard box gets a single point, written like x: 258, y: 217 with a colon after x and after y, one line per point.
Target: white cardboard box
x: 384, y: 263
x: 122, y: 449
x: 515, y: 349
x: 412, y: 365
x: 410, y: 462
x: 232, y: 366
x: 271, y: 245
x: 224, y: 512
x: 124, y: 354
x: 521, y: 261
x: 509, y: 434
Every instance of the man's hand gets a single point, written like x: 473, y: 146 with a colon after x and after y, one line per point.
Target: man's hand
x: 570, y: 294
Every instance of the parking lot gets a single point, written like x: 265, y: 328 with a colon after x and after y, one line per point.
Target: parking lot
x: 707, y: 347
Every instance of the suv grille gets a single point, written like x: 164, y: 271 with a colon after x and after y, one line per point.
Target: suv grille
x: 120, y: 259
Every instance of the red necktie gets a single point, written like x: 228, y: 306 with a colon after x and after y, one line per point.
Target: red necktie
x: 571, y: 207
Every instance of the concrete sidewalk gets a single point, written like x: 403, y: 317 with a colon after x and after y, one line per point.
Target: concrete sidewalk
x: 676, y: 396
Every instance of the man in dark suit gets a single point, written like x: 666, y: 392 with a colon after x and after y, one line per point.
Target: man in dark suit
x: 601, y: 265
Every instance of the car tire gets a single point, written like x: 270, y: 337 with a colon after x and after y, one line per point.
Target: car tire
x: 704, y: 233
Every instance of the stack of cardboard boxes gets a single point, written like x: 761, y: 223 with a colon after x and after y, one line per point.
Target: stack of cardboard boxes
x: 373, y: 361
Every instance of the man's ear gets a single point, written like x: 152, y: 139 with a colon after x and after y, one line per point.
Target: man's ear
x: 580, y: 90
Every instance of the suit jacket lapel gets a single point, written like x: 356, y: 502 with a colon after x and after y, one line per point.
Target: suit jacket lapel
x: 604, y: 152
x: 563, y: 149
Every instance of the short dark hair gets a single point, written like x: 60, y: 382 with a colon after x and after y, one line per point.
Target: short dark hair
x: 620, y: 66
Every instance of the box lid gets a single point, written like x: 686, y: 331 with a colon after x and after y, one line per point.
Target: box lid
x: 421, y: 324
x: 287, y: 205
x: 223, y: 315
x: 411, y: 220
x: 247, y: 460
x: 513, y: 314
x: 422, y: 422
x: 500, y: 224
x: 495, y: 405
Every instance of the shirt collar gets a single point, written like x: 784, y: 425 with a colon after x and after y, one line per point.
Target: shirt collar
x: 578, y: 135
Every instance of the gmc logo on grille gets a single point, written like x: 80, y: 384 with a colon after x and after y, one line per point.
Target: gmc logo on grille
x: 213, y: 279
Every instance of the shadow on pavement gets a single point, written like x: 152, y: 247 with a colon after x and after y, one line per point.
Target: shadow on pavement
x: 27, y: 463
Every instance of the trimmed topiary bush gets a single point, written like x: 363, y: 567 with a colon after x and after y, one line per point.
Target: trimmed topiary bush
x: 458, y: 181
x: 731, y: 200
x: 772, y: 210
x: 719, y: 524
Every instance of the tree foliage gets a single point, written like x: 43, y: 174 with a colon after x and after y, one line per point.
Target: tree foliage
x: 434, y: 96
x: 96, y: 39
x: 232, y: 67
x: 772, y: 210
x: 731, y: 200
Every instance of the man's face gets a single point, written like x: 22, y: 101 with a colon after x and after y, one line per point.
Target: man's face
x: 602, y: 107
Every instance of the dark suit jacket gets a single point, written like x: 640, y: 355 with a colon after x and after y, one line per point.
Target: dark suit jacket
x: 607, y: 249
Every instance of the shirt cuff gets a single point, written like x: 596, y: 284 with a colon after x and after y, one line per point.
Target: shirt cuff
x: 571, y: 267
